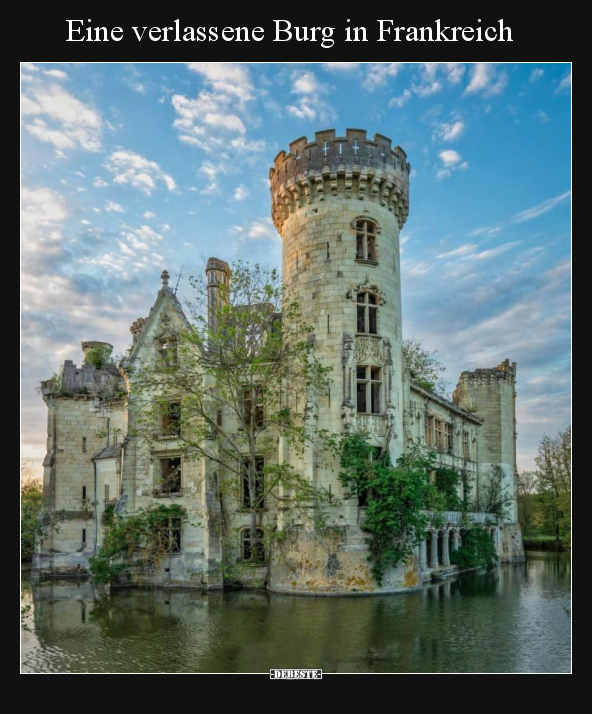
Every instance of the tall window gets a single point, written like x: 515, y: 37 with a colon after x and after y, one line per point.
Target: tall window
x: 258, y: 501
x: 448, y: 437
x: 170, y: 475
x: 170, y: 536
x: 253, y: 406
x: 367, y: 313
x: 167, y: 351
x: 252, y: 552
x: 466, y: 444
x: 439, y: 434
x: 366, y: 240
x: 171, y: 419
x: 429, y: 430
x: 369, y: 390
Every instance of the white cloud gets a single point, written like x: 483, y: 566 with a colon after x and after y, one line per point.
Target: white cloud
x: 261, y: 229
x: 379, y: 74
x: 341, y: 66
x: 465, y: 249
x: 130, y: 168
x: 449, y: 157
x: 542, y: 116
x: 486, y: 80
x: 53, y: 115
x: 401, y: 100
x: 212, y: 173
x: 542, y: 208
x: 564, y: 87
x: 449, y: 131
x: 451, y: 161
x: 148, y: 215
x: 215, y: 120
x: 112, y: 207
x: 536, y: 74
x: 240, y: 193
x: 310, y: 105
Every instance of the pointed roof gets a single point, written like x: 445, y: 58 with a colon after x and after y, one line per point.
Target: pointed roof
x: 165, y: 295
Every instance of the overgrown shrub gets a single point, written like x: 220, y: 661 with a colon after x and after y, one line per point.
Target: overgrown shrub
x: 139, y: 540
x: 477, y: 549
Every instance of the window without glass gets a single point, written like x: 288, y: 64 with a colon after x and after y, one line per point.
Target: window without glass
x: 258, y: 501
x: 429, y: 430
x: 466, y: 444
x: 167, y: 351
x: 366, y: 240
x: 171, y: 419
x: 170, y: 536
x: 253, y: 407
x: 170, y: 474
x: 448, y: 437
x: 439, y: 434
x: 252, y: 552
x: 369, y: 389
x: 367, y: 318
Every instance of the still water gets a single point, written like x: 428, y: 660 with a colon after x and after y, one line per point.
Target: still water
x: 513, y: 619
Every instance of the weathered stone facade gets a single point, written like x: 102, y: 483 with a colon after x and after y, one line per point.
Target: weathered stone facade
x: 339, y: 204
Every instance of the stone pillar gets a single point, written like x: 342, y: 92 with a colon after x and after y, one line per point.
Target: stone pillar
x: 423, y: 552
x: 434, y: 550
x: 445, y: 552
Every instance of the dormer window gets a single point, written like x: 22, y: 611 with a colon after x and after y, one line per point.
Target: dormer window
x: 367, y: 317
x: 366, y: 233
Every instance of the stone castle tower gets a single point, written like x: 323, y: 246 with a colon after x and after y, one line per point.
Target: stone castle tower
x: 339, y: 204
x: 491, y: 393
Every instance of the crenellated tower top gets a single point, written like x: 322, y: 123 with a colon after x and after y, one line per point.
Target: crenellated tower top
x: 346, y: 166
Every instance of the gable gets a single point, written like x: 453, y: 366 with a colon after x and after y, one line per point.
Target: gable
x: 166, y: 317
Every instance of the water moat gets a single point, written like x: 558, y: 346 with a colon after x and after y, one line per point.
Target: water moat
x: 515, y: 618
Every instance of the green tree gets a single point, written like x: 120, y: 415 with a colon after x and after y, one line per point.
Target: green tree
x: 493, y: 496
x: 527, y: 505
x: 36, y: 519
x: 424, y: 369
x: 31, y: 505
x: 553, y: 474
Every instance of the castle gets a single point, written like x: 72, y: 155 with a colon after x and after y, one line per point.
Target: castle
x: 339, y: 204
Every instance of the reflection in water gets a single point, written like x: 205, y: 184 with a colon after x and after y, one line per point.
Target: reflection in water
x: 512, y: 619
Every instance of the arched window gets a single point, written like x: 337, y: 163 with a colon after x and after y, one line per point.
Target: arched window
x: 366, y: 232
x: 367, y: 313
x: 252, y: 552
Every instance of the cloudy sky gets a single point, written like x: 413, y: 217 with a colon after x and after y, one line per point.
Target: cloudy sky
x: 127, y: 169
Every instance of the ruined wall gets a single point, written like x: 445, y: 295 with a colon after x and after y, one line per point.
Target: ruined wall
x: 78, y: 428
x: 491, y: 395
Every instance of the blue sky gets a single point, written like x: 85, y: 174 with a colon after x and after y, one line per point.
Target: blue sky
x: 130, y: 168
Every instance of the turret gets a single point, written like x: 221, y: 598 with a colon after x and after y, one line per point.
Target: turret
x: 217, y: 281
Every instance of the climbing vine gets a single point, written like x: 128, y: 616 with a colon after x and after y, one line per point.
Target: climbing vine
x: 395, y: 497
x: 477, y: 549
x: 139, y: 541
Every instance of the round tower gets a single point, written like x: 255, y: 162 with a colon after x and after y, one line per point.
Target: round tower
x: 339, y: 203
